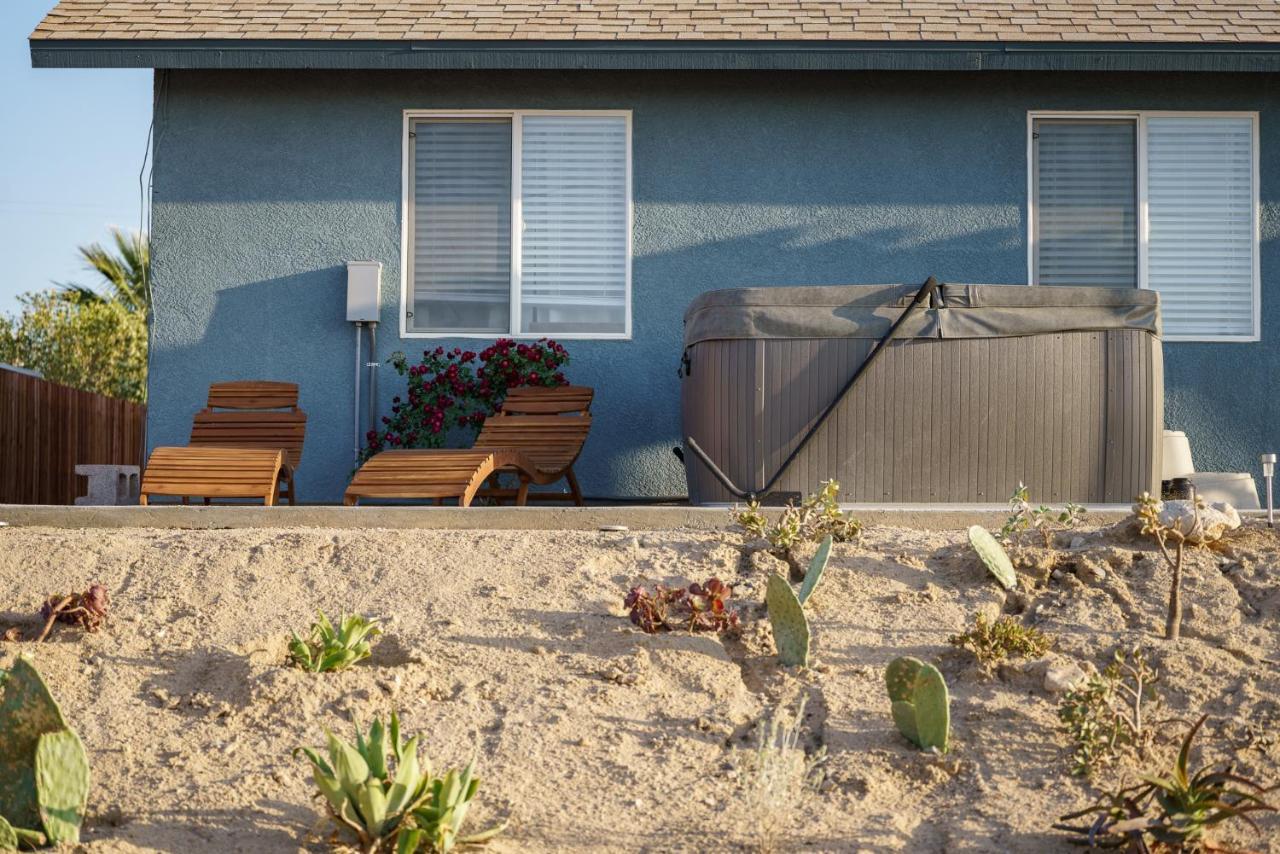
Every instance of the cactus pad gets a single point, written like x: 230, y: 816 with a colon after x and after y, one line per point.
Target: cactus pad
x: 921, y: 706
x: 8, y: 839
x: 814, y: 573
x: 62, y: 784
x: 993, y: 556
x: 27, y: 711
x: 790, y: 626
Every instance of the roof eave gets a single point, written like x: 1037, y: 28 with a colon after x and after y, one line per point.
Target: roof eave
x: 816, y: 55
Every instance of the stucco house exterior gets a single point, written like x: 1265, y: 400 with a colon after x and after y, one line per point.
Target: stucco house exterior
x: 705, y: 144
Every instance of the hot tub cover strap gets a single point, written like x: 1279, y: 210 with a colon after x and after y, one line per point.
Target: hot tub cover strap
x: 927, y: 291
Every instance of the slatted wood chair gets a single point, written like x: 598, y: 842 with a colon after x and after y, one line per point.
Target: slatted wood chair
x: 538, y: 400
x: 213, y: 473
x: 245, y: 415
x: 255, y: 414
x: 560, y: 400
x: 538, y: 449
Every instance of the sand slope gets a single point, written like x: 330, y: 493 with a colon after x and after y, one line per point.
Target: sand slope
x: 593, y: 736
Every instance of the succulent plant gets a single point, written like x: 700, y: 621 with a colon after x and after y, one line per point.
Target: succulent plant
x: 816, y: 517
x: 995, y: 641
x: 405, y: 805
x: 1174, y: 811
x: 790, y: 625
x: 362, y: 792
x: 328, y: 648
x: 44, y: 772
x: 993, y: 556
x: 698, y: 607
x: 438, y: 822
x: 88, y: 610
x: 921, y: 706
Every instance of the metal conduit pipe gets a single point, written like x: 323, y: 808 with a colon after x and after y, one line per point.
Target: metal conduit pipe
x: 355, y: 407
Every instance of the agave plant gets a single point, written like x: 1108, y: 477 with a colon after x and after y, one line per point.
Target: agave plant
x: 439, y: 820
x: 405, y: 807
x: 362, y: 793
x: 1175, y: 810
x: 327, y: 648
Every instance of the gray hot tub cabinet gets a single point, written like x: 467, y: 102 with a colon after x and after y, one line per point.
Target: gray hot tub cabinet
x: 983, y: 387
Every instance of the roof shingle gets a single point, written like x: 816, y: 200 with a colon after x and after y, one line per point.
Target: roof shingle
x: 1223, y: 21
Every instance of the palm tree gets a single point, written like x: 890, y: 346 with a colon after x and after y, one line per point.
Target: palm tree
x: 126, y: 272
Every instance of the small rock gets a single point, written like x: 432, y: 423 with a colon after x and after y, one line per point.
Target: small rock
x: 13, y: 634
x: 1077, y: 542
x: 1060, y: 678
x: 1214, y: 519
x: 648, y: 543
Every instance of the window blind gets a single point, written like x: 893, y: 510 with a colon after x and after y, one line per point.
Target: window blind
x: 1200, y: 223
x: 461, y: 184
x: 573, y: 196
x: 1085, y: 202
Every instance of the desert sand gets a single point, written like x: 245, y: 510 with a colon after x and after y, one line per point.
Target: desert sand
x: 514, y: 647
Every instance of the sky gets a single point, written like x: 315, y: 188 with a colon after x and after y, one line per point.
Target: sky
x: 70, y: 152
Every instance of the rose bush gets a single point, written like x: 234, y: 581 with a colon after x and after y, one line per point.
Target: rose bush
x: 451, y: 392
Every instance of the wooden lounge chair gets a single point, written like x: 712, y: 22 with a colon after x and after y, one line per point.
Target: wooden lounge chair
x: 213, y: 473
x: 255, y: 414
x: 251, y: 415
x: 538, y: 449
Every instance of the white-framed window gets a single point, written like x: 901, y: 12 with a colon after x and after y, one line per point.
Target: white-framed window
x: 516, y: 223
x: 1151, y: 199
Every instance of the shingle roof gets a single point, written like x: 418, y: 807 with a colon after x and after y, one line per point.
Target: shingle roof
x: 1230, y: 21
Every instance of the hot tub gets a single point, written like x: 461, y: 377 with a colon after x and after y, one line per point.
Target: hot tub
x: 982, y: 387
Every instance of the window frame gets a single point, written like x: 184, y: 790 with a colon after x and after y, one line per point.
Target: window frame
x: 517, y: 215
x: 1140, y: 118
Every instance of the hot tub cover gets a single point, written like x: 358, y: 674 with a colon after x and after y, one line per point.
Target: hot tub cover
x: 958, y: 311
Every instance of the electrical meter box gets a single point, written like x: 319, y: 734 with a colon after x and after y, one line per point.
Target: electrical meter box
x: 364, y: 285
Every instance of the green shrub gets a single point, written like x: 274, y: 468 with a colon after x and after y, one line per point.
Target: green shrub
x: 1006, y: 637
x: 1105, y: 716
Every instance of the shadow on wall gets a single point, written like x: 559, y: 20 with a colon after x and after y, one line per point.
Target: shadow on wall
x: 290, y: 328
x: 293, y: 328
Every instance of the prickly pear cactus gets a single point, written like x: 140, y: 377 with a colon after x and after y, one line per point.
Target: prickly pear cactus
x: 921, y: 706
x: 27, y: 711
x: 993, y: 556
x: 790, y: 626
x: 62, y: 784
x: 8, y: 839
x: 814, y: 573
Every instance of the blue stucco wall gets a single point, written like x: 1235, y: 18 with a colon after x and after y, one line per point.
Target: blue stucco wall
x: 266, y: 183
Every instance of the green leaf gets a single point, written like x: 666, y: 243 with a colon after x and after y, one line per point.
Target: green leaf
x: 409, y: 841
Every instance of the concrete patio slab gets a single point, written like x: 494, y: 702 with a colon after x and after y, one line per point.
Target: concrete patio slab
x: 639, y: 518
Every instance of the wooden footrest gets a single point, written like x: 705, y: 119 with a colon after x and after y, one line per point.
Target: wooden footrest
x: 213, y: 473
x: 438, y: 473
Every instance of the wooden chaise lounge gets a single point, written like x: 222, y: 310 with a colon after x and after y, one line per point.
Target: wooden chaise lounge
x: 539, y: 449
x: 255, y: 418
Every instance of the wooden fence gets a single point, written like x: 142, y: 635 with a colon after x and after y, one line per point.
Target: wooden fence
x: 46, y: 430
